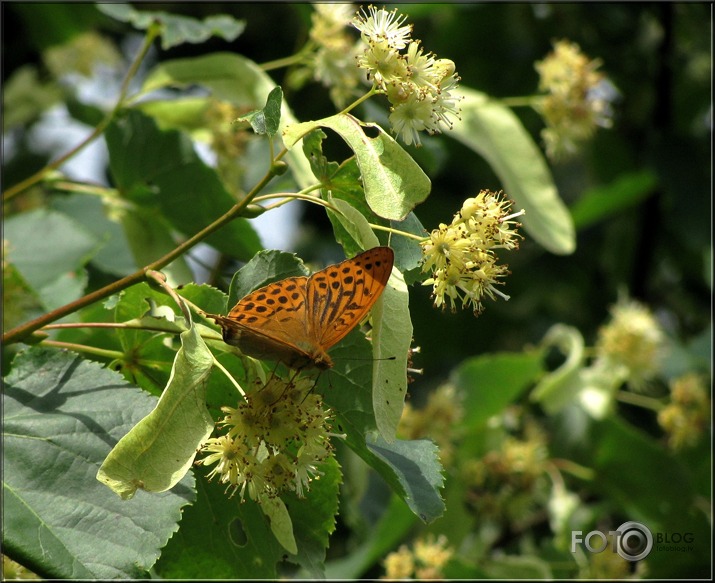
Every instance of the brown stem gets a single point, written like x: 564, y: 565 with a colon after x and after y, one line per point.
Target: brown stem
x: 17, y: 334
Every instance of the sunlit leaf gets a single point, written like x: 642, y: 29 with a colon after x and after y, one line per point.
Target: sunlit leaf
x: 494, y: 132
x: 391, y: 332
x: 394, y: 183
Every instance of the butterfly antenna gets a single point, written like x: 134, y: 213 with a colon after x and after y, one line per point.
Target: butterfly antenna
x: 290, y: 382
x: 315, y: 384
x: 353, y: 359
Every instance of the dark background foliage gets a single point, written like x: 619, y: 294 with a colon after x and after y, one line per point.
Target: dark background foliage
x: 657, y: 55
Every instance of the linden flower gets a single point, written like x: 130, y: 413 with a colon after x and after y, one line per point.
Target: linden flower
x: 507, y: 483
x: 687, y: 417
x: 410, y: 117
x: 420, y: 87
x: 276, y: 441
x: 384, y: 64
x: 226, y: 453
x: 399, y: 564
x: 380, y: 25
x: 632, y: 342
x: 461, y: 255
x: 424, y: 562
x: 578, y: 98
x: 433, y: 553
x: 422, y: 68
x: 329, y: 21
x: 333, y: 62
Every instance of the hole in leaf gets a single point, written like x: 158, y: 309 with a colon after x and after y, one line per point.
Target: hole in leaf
x: 237, y: 533
x: 371, y: 132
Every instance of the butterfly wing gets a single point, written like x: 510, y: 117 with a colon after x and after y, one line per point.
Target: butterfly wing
x: 341, y: 295
x: 267, y: 322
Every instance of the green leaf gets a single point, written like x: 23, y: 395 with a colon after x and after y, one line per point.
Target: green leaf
x: 386, y: 535
x: 183, y: 113
x: 342, y: 182
x: 47, y: 246
x: 491, y: 382
x: 319, y: 164
x: 314, y: 518
x: 160, y: 449
x: 221, y: 538
x: 114, y: 256
x: 176, y: 29
x: 413, y: 471
x: 88, y: 114
x: 206, y: 297
x: 65, y: 289
x: 160, y: 168
x: 19, y: 301
x: 149, y: 236
x: 394, y: 183
x: 493, y: 131
x: 266, y: 120
x: 391, y: 332
x: 264, y: 268
x: 232, y: 78
x: 61, y: 416
x: 408, y: 253
x: 355, y: 223
x: 599, y: 203
x: 391, y: 340
x: 138, y: 304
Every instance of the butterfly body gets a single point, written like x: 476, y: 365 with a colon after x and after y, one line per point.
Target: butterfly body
x: 298, y: 319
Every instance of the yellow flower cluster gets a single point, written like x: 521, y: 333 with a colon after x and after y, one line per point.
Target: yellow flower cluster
x: 631, y: 344
x: 687, y: 417
x: 420, y: 87
x: 425, y: 561
x: 509, y: 483
x: 333, y: 62
x: 578, y: 98
x: 275, y: 441
x: 461, y: 255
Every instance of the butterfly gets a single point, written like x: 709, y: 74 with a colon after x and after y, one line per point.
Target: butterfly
x: 298, y: 319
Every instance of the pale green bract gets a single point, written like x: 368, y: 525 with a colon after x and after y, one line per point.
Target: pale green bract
x: 394, y: 183
x: 159, y: 450
x: 391, y: 332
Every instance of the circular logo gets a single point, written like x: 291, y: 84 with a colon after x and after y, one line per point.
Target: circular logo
x: 635, y: 541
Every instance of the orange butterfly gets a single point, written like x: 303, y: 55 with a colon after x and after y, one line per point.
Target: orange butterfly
x: 296, y: 320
